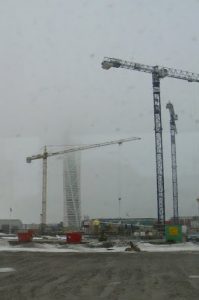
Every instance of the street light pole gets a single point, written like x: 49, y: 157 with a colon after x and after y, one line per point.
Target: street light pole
x: 197, y: 200
x: 10, y: 215
x: 119, y: 208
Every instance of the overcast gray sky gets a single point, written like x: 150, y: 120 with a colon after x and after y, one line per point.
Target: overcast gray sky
x: 53, y: 91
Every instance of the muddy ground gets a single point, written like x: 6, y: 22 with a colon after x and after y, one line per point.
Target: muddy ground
x: 113, y: 276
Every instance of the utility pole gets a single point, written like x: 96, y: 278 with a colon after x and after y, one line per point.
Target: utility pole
x: 157, y: 73
x: 173, y: 131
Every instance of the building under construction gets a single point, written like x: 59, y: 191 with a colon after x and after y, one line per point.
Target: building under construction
x: 72, y: 199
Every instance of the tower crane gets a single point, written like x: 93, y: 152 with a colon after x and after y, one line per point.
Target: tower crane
x: 173, y: 131
x: 44, y: 156
x: 157, y: 73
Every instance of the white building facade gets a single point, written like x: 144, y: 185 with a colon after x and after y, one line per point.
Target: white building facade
x: 72, y: 198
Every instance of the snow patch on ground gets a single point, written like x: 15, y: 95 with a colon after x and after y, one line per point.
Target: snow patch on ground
x: 36, y: 247
x: 9, y: 238
x: 168, y: 248
x: 5, y: 270
x: 59, y: 249
x: 84, y: 248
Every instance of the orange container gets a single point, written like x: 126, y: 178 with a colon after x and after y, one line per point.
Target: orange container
x: 73, y: 237
x: 24, y: 236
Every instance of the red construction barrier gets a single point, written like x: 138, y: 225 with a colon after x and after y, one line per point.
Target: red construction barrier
x: 25, y: 236
x: 73, y: 237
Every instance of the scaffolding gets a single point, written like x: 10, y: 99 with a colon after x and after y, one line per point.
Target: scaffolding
x: 71, y: 184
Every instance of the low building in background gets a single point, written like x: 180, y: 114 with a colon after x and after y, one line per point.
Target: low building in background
x: 33, y: 226
x: 131, y: 221
x: 122, y: 226
x: 10, y: 225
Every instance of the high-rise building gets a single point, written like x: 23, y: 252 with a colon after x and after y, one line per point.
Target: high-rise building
x: 72, y: 200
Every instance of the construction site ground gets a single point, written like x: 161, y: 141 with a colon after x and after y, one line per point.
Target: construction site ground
x: 114, y: 276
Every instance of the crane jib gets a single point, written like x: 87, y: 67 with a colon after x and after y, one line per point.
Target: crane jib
x: 163, y: 72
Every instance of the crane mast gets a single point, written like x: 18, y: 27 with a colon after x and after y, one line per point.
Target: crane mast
x: 44, y: 188
x: 157, y: 73
x: 158, y: 148
x: 44, y: 156
x: 173, y: 131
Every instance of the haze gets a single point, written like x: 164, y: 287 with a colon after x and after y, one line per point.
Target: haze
x: 54, y: 92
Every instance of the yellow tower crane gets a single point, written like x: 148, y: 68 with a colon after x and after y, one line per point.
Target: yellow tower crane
x: 44, y: 156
